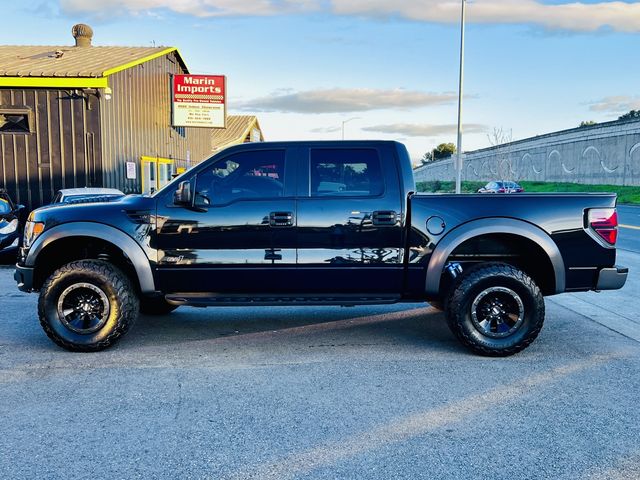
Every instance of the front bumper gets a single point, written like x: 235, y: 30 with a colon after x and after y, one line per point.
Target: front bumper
x: 612, y: 278
x: 24, y: 278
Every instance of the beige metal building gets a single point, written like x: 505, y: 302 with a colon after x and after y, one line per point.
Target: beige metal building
x: 240, y: 129
x: 84, y: 115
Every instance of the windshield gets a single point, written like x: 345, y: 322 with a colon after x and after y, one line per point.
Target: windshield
x: 96, y: 196
x: 173, y: 184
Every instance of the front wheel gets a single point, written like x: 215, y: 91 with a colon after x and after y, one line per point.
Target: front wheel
x: 495, y: 310
x: 87, y: 305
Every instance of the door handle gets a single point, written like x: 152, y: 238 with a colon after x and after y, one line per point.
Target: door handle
x: 385, y: 217
x: 281, y: 219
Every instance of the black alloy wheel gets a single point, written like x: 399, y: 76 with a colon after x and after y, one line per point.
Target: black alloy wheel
x: 87, y: 305
x: 495, y: 309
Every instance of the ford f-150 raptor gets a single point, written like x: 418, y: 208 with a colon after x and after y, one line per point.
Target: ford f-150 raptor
x: 316, y: 223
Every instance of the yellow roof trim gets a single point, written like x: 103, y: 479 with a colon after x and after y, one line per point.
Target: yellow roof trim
x: 54, y: 82
x: 142, y: 60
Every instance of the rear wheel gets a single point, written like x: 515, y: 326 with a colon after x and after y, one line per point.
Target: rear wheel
x: 495, y: 310
x: 87, y: 305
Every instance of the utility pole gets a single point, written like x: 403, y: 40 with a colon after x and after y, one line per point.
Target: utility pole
x: 460, y: 93
x: 345, y: 121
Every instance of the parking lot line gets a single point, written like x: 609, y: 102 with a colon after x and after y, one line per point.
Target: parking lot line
x: 629, y: 226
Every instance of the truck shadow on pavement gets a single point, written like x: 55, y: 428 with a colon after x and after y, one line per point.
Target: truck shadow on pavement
x: 423, y: 326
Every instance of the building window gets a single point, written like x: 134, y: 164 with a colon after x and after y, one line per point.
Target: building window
x: 182, y: 131
x: 15, y: 120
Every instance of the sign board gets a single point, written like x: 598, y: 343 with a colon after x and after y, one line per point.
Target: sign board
x: 199, y: 101
x: 131, y: 171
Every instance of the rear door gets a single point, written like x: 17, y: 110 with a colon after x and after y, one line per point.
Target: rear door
x: 349, y: 231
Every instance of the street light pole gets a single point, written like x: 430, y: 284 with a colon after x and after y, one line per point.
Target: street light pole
x: 345, y: 121
x: 460, y: 93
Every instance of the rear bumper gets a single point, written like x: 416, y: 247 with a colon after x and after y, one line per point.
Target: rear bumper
x: 24, y: 278
x: 612, y: 278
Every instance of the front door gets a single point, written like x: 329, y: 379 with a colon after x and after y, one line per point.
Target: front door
x: 239, y: 237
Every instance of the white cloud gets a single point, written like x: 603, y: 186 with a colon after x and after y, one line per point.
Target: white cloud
x: 616, y: 104
x: 343, y: 100
x: 571, y: 16
x: 325, y: 130
x: 198, y: 8
x: 424, y: 130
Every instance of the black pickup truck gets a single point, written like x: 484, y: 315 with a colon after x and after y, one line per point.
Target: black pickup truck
x: 316, y: 223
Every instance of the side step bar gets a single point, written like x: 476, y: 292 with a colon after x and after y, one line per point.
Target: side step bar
x: 226, y: 300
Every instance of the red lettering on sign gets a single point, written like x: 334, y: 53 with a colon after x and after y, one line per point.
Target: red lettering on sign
x: 199, y: 89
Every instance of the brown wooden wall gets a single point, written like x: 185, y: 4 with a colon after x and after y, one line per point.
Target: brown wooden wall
x: 64, y: 150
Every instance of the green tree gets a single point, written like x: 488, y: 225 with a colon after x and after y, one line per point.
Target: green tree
x: 630, y: 115
x: 444, y: 150
x: 587, y: 123
x: 427, y: 158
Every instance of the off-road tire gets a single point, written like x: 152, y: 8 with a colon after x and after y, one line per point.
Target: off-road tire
x: 156, y: 306
x: 117, y: 289
x: 470, y: 287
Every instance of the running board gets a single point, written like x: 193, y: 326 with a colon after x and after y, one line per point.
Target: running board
x: 226, y: 300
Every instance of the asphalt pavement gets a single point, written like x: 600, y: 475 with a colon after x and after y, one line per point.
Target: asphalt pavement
x: 629, y: 229
x: 367, y: 392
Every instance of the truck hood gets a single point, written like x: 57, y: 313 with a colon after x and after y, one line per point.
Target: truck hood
x: 109, y: 213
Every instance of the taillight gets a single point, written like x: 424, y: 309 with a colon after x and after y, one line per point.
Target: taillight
x: 501, y: 190
x: 604, y: 221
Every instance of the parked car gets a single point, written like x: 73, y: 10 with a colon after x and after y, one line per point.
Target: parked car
x: 10, y: 225
x: 86, y: 195
x: 255, y: 225
x: 501, y: 187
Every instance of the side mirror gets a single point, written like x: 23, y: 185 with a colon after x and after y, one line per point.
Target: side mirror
x: 182, y: 195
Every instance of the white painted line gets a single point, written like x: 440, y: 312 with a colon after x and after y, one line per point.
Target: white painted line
x: 604, y: 316
x: 633, y: 227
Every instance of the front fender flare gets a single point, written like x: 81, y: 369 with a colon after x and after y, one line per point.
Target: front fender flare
x: 486, y: 226
x: 124, y: 242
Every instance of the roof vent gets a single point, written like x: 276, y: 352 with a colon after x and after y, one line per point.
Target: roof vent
x: 83, y: 35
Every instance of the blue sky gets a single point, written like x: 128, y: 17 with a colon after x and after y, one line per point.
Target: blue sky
x: 305, y: 66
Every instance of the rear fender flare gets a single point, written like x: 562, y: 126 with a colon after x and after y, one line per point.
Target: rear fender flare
x: 118, y: 238
x: 487, y: 226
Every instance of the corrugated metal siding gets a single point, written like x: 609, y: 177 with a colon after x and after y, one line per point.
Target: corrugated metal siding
x: 61, y: 153
x: 136, y: 121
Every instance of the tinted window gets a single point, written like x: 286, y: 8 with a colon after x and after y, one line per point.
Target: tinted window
x: 247, y: 175
x: 345, y: 172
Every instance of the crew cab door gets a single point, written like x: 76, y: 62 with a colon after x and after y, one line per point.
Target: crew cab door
x: 349, y: 231
x: 238, y: 236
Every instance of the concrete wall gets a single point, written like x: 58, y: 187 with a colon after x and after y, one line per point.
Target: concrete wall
x: 607, y: 153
